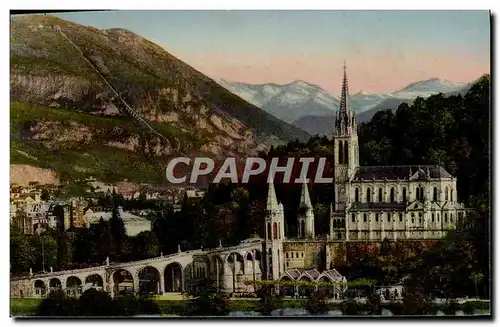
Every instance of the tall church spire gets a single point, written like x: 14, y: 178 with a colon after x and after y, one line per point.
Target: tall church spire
x: 344, y: 99
x: 344, y: 121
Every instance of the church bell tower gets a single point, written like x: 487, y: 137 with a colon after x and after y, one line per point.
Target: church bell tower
x: 345, y: 139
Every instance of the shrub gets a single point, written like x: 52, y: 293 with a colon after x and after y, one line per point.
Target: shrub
x: 316, y: 303
x: 56, y: 304
x: 373, y: 304
x: 93, y: 303
x: 350, y: 307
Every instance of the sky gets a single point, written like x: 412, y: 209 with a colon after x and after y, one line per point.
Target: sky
x: 384, y: 50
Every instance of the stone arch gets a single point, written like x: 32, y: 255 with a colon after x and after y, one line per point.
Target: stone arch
x: 173, y: 278
x: 40, y: 288
x: 73, y: 286
x: 149, y: 280
x: 286, y: 290
x: 236, y: 264
x: 55, y: 283
x: 123, y: 282
x: 95, y: 281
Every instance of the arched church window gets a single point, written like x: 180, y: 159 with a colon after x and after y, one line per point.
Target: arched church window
x: 368, y: 195
x: 446, y: 193
x: 435, y: 194
x: 364, y: 217
x: 446, y: 217
x: 392, y: 194
x: 404, y: 194
x: 269, y: 231
x: 380, y: 195
x: 433, y: 217
x: 353, y: 217
x: 303, y: 227
x: 451, y: 195
x: 451, y: 218
x: 275, y: 231
x: 400, y: 217
x: 356, y: 195
x: 341, y: 152
x: 279, y: 231
x: 376, y: 217
x: 286, y: 254
x: 346, y: 153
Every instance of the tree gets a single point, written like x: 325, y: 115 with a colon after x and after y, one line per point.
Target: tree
x: 476, y: 278
x: 268, y: 301
x: 118, y: 235
x: 64, y: 251
x: 45, y: 196
x: 145, y: 245
x: 208, y: 301
x: 22, y: 252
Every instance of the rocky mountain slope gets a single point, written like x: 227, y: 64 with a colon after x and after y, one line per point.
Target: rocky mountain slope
x: 113, y: 104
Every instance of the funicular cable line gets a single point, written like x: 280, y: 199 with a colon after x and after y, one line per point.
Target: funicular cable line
x: 128, y: 109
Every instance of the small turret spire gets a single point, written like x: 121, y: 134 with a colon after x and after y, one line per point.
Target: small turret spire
x: 305, y: 200
x: 272, y: 200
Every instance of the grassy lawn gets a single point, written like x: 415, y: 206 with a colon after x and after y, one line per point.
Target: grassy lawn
x: 23, y: 307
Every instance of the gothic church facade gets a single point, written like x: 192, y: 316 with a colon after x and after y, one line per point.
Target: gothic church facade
x: 371, y: 203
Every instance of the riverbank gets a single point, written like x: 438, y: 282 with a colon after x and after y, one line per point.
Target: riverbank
x: 176, y: 305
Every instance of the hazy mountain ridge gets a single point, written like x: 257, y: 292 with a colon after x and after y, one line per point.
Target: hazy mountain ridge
x: 312, y: 109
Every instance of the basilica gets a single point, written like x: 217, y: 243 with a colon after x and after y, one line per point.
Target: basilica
x: 371, y: 204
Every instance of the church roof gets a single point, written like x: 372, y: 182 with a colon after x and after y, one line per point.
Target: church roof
x: 400, y: 172
x: 377, y: 206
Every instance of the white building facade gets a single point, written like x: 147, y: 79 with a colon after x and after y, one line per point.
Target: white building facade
x: 393, y: 202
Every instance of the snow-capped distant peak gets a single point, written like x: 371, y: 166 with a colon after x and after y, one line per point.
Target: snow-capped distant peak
x: 433, y: 85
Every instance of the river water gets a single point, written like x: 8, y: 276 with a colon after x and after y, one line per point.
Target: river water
x: 296, y: 312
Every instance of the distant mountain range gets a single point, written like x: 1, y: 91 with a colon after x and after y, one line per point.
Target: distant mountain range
x: 312, y: 109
